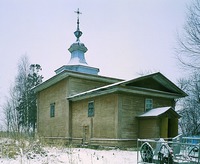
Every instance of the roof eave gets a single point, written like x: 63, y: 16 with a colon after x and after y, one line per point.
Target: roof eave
x: 137, y: 90
x: 53, y: 80
x: 94, y: 94
x: 156, y: 93
x: 65, y: 74
x: 161, y: 79
x: 168, y: 109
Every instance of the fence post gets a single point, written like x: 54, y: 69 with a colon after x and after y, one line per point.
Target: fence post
x: 1, y: 150
x: 137, y: 150
x: 199, y: 154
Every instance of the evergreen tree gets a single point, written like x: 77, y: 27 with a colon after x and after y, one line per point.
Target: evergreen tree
x: 27, y: 79
x: 20, y: 109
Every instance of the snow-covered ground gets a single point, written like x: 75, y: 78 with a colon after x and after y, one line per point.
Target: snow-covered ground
x: 76, y: 156
x: 69, y: 155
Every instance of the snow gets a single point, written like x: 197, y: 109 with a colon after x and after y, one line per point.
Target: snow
x: 96, y: 89
x: 77, y: 61
x: 36, y: 154
x: 155, y: 112
x: 77, y: 156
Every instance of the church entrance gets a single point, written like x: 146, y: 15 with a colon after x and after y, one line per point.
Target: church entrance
x: 86, y: 134
x: 169, y: 127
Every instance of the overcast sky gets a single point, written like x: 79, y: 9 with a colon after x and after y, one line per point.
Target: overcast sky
x: 123, y: 37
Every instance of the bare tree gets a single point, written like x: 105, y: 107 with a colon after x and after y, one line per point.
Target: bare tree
x: 21, y: 84
x: 188, y: 49
x: 20, y: 107
x: 190, y: 106
x: 10, y: 111
x: 188, y: 54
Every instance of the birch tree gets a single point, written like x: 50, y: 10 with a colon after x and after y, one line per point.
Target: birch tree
x: 20, y: 108
x: 10, y: 112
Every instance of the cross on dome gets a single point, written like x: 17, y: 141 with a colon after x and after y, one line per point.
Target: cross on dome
x: 78, y: 13
x: 78, y: 33
x: 77, y: 61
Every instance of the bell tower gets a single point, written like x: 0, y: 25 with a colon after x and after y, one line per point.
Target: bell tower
x: 77, y: 61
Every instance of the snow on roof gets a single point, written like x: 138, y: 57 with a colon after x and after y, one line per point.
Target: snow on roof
x: 77, y: 61
x: 96, y: 89
x: 155, y: 112
x: 101, y: 88
x: 125, y: 82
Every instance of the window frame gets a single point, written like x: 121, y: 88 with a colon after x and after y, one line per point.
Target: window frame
x: 91, y: 109
x: 148, y: 104
x: 52, y: 110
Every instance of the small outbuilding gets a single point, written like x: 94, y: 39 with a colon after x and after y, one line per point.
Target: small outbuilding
x: 158, y: 122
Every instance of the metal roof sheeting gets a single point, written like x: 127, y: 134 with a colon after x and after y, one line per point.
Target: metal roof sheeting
x: 158, y: 112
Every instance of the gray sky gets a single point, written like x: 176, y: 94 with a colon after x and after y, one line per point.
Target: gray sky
x: 123, y: 37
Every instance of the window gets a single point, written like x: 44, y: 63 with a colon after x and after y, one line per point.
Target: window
x: 91, y: 109
x: 52, y: 110
x: 148, y: 104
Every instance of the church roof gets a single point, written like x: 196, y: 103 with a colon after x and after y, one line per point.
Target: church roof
x: 66, y: 73
x: 154, y: 84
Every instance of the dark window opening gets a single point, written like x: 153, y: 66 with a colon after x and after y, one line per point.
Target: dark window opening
x: 148, y: 104
x: 52, y: 110
x: 91, y: 109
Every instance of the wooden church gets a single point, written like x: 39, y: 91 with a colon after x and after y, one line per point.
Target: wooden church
x: 82, y: 107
